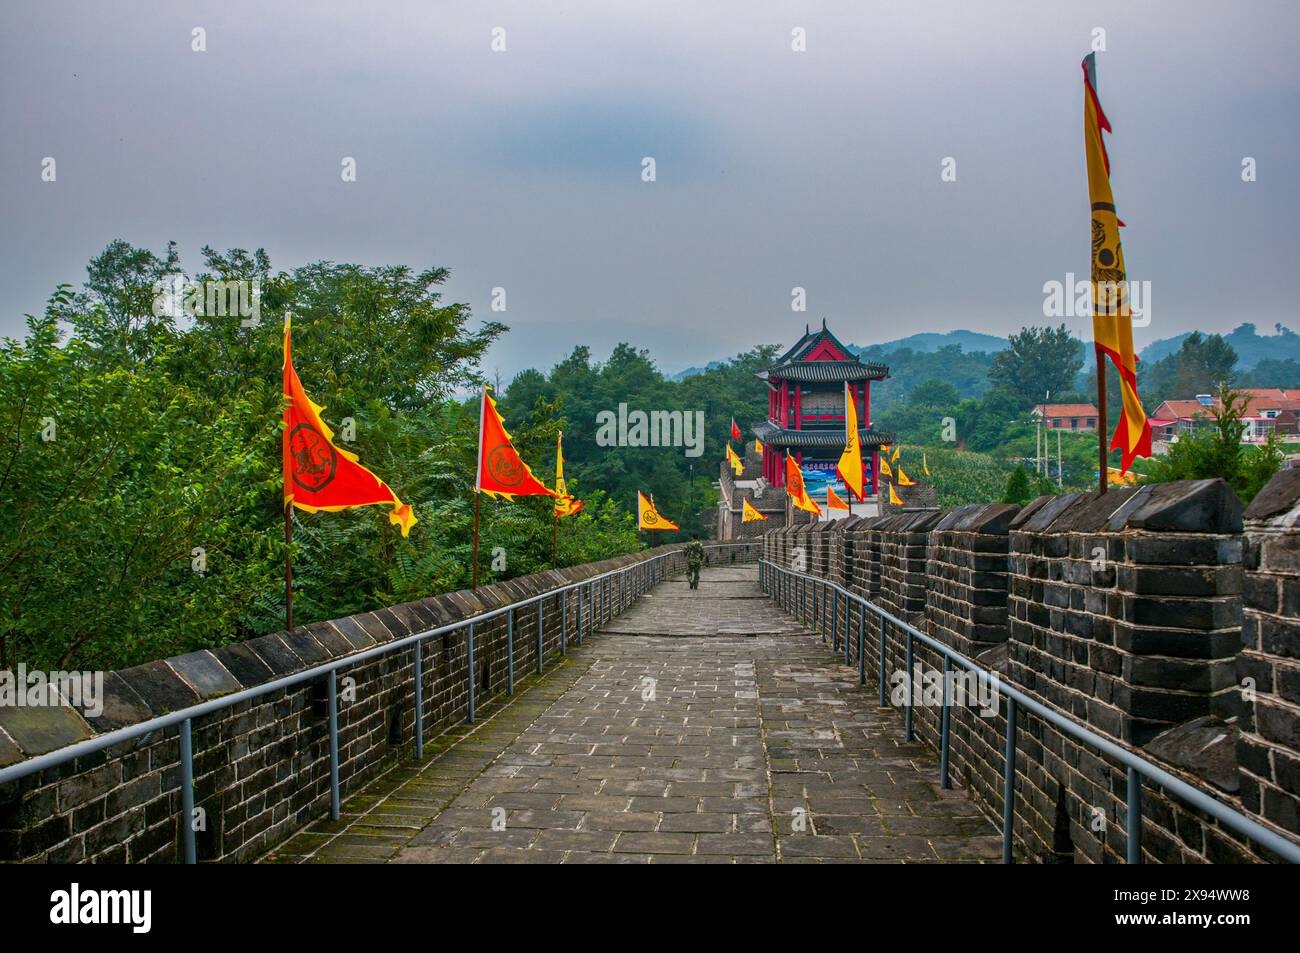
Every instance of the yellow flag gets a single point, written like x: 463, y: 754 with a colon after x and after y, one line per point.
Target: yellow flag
x: 748, y: 514
x: 894, y: 458
x: 833, y: 501
x: 647, y: 517
x: 1112, y: 319
x: 737, y: 465
x: 565, y: 505
x: 924, y: 466
x: 893, y: 497
x: 850, y: 466
x: 904, y: 479
x: 758, y: 446
x: 884, y: 467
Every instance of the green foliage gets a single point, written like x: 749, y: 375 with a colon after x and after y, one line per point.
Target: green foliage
x: 1019, y: 489
x: 912, y: 373
x: 959, y: 477
x: 164, y: 458
x: 580, y: 389
x: 1038, y: 361
x: 1203, y: 364
x: 1217, y: 451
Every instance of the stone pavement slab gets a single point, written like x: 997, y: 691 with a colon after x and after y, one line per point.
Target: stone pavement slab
x: 700, y: 726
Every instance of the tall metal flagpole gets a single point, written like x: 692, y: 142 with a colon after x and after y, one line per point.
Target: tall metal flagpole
x: 478, y: 481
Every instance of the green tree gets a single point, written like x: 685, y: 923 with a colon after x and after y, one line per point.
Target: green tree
x: 1038, y: 361
x: 1019, y: 488
x: 1203, y: 364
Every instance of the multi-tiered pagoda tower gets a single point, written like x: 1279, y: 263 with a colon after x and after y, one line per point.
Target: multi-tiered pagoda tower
x: 805, y: 410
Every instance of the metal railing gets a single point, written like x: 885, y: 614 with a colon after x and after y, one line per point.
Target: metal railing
x: 780, y: 584
x: 619, y: 588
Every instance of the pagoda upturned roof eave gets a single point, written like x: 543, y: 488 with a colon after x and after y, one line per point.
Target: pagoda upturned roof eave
x: 824, y: 371
x: 774, y: 436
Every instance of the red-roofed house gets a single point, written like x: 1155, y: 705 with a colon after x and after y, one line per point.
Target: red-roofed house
x: 1080, y: 417
x: 1269, y: 409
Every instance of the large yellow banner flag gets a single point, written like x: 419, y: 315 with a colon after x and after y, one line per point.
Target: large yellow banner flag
x: 748, y: 514
x: 647, y: 517
x: 795, y: 488
x: 1112, y: 321
x: 850, y: 466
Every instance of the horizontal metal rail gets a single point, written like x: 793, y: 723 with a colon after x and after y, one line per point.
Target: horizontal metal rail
x: 778, y: 582
x: 632, y: 580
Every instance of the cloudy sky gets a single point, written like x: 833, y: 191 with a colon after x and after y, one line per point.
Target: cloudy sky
x: 775, y: 169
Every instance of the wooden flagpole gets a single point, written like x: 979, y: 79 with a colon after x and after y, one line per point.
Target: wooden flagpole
x: 1103, y: 457
x: 478, y: 499
x: 288, y: 567
x: 478, y: 481
x: 555, y: 539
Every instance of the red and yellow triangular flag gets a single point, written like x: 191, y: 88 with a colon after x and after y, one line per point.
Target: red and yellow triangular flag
x: 501, y: 471
x: 647, y: 517
x: 850, y: 466
x: 833, y: 501
x: 894, y: 497
x: 318, y: 476
x: 758, y: 446
x: 748, y: 514
x: 884, y: 467
x: 795, y: 488
x: 904, y: 479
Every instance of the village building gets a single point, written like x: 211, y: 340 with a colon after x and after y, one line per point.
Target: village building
x: 1081, y: 418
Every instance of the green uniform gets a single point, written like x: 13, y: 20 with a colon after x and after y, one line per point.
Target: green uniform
x: 694, y: 560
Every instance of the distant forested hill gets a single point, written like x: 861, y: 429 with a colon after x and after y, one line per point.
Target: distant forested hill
x: 1251, y: 347
x: 930, y: 342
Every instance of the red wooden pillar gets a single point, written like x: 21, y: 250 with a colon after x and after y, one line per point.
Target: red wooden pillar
x: 785, y: 404
x: 798, y: 408
x: 866, y: 403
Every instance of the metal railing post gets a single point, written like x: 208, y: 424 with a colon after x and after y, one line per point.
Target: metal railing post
x: 564, y: 623
x: 187, y: 793
x: 884, y: 702
x: 862, y: 656
x: 419, y: 699
x: 848, y: 614
x: 469, y: 668
x: 944, y: 727
x: 1009, y: 784
x: 333, y: 699
x: 835, y: 624
x: 541, y: 644
x: 911, y: 688
x: 510, y: 652
x: 1134, y: 822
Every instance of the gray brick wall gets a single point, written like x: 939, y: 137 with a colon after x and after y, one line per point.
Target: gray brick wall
x: 1125, y: 611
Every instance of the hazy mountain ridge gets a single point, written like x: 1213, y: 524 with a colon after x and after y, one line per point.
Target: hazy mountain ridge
x: 1251, y: 346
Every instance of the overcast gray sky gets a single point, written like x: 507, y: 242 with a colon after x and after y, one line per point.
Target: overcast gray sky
x: 522, y: 169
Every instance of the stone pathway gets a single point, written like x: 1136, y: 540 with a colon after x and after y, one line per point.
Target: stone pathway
x: 699, y: 727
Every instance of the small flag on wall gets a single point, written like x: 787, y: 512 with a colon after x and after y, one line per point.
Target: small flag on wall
x: 648, y: 518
